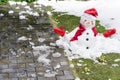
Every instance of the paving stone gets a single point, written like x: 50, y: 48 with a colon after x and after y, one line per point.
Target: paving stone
x: 3, y: 66
x: 64, y: 63
x: 32, y: 65
x: 31, y: 74
x: 11, y: 57
x: 61, y: 77
x: 51, y: 78
x: 64, y: 68
x: 29, y: 60
x: 10, y: 79
x: 40, y: 74
x: 30, y: 69
x: 42, y: 78
x: 20, y: 61
x: 24, y: 66
x: 40, y: 69
x: 13, y: 75
x: 21, y: 65
x: 4, y: 62
x: 50, y: 74
x: 12, y: 61
x: 4, y: 75
x: 14, y: 66
x: 25, y: 78
x: 32, y: 79
x: 22, y: 74
x: 67, y: 72
x: 59, y: 73
x: 69, y: 77
x: 8, y: 70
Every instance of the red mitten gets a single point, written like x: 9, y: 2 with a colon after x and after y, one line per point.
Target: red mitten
x: 109, y: 33
x: 59, y: 31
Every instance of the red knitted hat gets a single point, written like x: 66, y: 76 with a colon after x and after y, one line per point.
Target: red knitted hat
x: 92, y: 12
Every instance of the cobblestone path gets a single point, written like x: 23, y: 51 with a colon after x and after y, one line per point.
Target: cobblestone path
x: 18, y: 59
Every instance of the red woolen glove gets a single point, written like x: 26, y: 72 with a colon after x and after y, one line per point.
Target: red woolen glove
x: 59, y: 31
x: 109, y: 33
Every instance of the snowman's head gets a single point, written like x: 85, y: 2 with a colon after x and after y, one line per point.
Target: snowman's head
x: 88, y: 18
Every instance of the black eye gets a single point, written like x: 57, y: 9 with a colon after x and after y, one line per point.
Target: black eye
x: 92, y: 22
x: 85, y: 20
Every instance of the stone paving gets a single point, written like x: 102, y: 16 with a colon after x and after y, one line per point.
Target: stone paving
x: 17, y: 57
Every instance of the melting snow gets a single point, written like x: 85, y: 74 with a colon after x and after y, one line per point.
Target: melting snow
x: 77, y: 78
x: 116, y: 60
x: 41, y: 39
x: 115, y: 65
x: 50, y: 74
x: 57, y: 66
x: 23, y: 38
x: 78, y: 64
x: 57, y: 54
x: 11, y: 12
x: 29, y: 27
x: 1, y: 14
x: 72, y: 65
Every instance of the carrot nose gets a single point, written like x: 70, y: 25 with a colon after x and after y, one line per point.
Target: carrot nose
x: 88, y: 22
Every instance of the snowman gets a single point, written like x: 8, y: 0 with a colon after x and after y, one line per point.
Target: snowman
x: 85, y: 40
x: 87, y: 32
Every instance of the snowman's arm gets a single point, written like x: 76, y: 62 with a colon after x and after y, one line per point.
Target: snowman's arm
x: 109, y: 32
x: 59, y: 31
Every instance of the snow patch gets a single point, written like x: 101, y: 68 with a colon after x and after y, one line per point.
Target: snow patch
x: 77, y: 78
x: 116, y: 60
x: 115, y: 65
x: 41, y: 39
x: 23, y: 38
x: 57, y: 54
x: 72, y: 65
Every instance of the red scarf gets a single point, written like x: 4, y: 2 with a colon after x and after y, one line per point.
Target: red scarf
x: 81, y: 30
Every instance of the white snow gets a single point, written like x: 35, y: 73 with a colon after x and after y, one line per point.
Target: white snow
x: 57, y: 66
x: 115, y: 65
x: 1, y: 14
x: 50, y: 74
x: 116, y: 60
x: 30, y: 27
x: 77, y: 78
x: 22, y: 17
x: 57, y: 54
x: 78, y: 64
x: 72, y: 65
x: 41, y: 39
x: 24, y: 3
x: 22, y: 38
x: 11, y: 12
x: 107, y: 14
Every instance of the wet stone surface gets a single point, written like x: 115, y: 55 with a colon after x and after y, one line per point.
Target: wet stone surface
x: 21, y: 50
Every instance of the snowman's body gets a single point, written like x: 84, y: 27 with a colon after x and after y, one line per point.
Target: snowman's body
x: 87, y: 39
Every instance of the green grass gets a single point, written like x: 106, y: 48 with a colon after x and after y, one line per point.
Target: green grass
x: 69, y: 22
x: 97, y: 71
x: 89, y: 69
